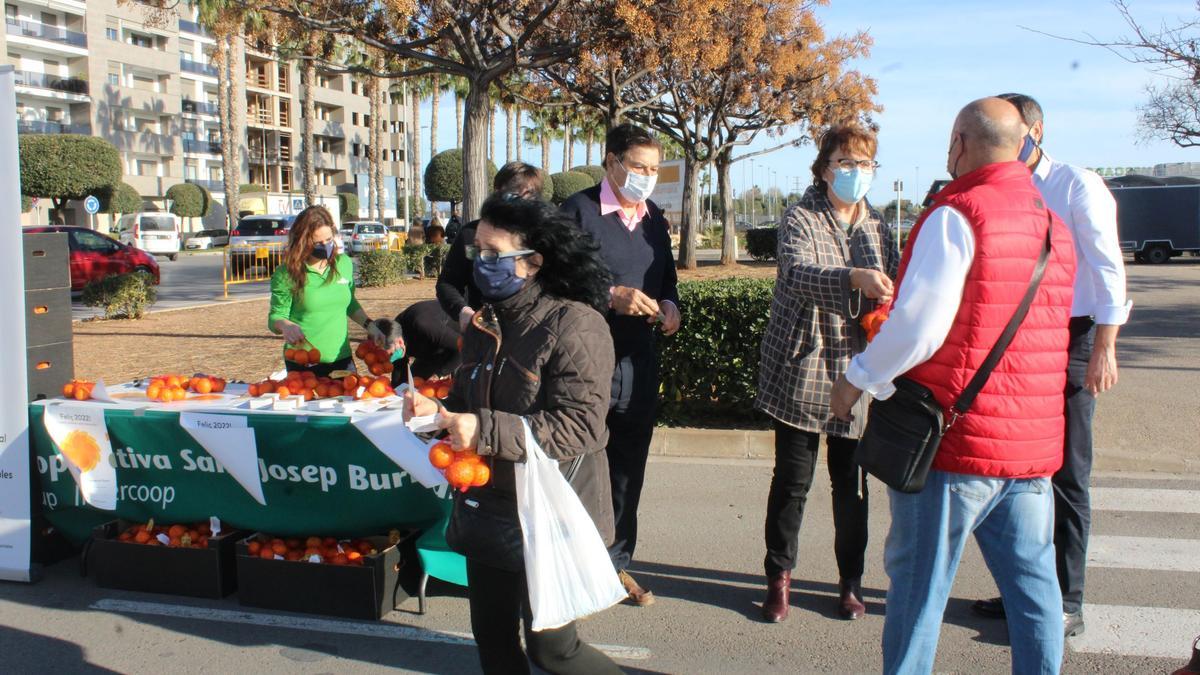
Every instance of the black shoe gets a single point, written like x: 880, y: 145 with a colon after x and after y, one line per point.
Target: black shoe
x: 1072, y: 623
x: 989, y: 609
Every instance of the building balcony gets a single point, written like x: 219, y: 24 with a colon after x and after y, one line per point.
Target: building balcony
x: 199, y: 108
x: 39, y: 127
x: 193, y: 66
x: 193, y: 28
x: 203, y: 147
x: 41, y: 31
x: 70, y: 85
x: 210, y: 185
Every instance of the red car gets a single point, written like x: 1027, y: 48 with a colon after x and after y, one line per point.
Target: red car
x: 95, y: 256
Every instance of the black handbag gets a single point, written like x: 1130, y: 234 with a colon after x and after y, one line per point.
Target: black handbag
x: 903, y: 431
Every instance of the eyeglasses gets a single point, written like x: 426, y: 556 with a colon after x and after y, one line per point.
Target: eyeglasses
x: 490, y: 256
x: 864, y: 165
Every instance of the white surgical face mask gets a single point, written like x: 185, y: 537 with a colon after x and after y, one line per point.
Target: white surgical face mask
x: 637, y: 188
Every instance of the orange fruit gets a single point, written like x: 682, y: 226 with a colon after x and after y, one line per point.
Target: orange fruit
x: 69, y: 390
x: 312, y: 542
x: 387, y: 367
x: 350, y: 382
x: 141, y: 536
x: 178, y: 393
x: 378, y: 389
x: 253, y: 547
x: 428, y: 391
x: 441, y: 456
x: 278, y: 547
x: 461, y: 474
x: 418, y: 382
x: 336, y: 390
x: 354, y: 558
x: 283, y: 391
x: 322, y: 391
x: 81, y: 394
x: 266, y: 553
x: 370, y: 359
x: 340, y: 559
x: 361, y: 352
x: 301, y: 357
x: 253, y: 390
x: 202, y: 385
x: 218, y: 384
x: 314, y: 355
x: 289, y: 354
x: 292, y: 542
x: 308, y: 394
x: 443, y: 391
x: 483, y: 474
x: 176, y: 531
x: 173, y: 381
x: 154, y: 390
x: 375, y: 369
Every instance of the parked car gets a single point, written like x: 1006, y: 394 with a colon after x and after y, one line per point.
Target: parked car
x: 94, y: 256
x: 366, y: 235
x: 153, y: 232
x: 207, y: 239
x: 258, y: 241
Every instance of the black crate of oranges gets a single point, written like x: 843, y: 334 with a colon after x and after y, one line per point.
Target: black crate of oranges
x: 178, y: 559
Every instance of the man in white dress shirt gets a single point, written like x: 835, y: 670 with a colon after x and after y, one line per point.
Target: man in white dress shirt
x: 961, y: 279
x: 1100, y: 308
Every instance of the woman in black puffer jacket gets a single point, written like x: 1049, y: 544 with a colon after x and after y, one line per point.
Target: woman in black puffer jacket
x: 539, y: 349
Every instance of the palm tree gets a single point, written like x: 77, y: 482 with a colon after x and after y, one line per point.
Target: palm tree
x: 510, y: 134
x: 418, y: 89
x: 460, y: 87
x: 435, y: 95
x: 590, y: 125
x: 540, y: 132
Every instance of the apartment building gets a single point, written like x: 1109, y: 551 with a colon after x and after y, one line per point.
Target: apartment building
x: 150, y: 89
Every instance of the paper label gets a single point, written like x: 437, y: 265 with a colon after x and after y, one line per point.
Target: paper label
x: 231, y: 442
x: 81, y: 437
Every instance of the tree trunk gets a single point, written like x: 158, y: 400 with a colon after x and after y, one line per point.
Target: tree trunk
x: 518, y: 139
x: 414, y: 154
x: 491, y: 133
x: 308, y: 111
x: 509, y: 135
x: 566, y: 162
x: 229, y: 145
x: 545, y: 151
x: 435, y: 97
x: 728, y: 220
x: 591, y: 140
x: 691, y: 213
x: 458, y: 121
x: 570, y: 136
x: 377, y: 149
x: 372, y: 149
x: 475, y: 178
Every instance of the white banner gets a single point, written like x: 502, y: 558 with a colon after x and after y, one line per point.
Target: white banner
x: 231, y: 443
x: 81, y: 437
x: 389, y: 434
x: 15, y: 530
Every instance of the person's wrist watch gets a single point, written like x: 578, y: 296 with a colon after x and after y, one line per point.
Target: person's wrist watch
x: 367, y: 324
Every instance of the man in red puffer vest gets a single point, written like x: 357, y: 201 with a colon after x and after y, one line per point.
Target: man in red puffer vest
x: 962, y: 276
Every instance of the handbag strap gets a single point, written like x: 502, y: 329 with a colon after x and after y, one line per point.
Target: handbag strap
x: 963, y: 404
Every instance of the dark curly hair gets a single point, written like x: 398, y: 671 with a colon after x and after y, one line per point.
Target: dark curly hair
x: 571, y: 265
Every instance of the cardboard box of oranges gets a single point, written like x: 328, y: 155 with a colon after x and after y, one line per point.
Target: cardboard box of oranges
x: 120, y: 555
x: 318, y: 575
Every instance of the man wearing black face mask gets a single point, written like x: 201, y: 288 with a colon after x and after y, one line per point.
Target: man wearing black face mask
x: 635, y: 242
x: 1099, y: 309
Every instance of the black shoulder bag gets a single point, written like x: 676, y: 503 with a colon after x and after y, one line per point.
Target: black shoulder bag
x: 903, y: 431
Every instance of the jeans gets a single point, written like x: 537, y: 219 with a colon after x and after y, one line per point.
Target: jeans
x: 631, y: 414
x: 1012, y: 522
x: 1072, y: 504
x: 499, y: 603
x: 795, y: 464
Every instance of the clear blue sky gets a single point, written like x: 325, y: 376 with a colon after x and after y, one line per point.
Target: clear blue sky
x: 932, y: 57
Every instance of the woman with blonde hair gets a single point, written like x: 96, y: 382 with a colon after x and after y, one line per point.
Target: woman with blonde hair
x: 312, y: 293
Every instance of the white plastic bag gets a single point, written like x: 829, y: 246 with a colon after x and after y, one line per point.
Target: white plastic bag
x: 567, y: 568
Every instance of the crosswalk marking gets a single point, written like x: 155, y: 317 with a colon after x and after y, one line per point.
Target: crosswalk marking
x: 1138, y: 631
x: 1144, y: 553
x: 1144, y: 500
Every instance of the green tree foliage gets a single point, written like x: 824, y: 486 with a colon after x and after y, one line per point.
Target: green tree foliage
x: 189, y: 200
x: 444, y: 176
x: 120, y: 199
x: 251, y: 187
x: 26, y: 204
x: 596, y: 172
x: 348, y: 205
x: 568, y: 183
x: 67, y: 166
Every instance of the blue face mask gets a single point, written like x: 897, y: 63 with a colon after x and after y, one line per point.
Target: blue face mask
x: 851, y: 186
x: 324, y: 251
x: 497, y: 280
x: 1027, y: 148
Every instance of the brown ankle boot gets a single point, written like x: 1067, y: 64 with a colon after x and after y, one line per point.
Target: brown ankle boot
x: 850, y: 604
x: 775, y: 607
x: 1194, y: 666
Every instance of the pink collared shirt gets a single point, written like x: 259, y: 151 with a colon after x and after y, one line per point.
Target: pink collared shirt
x: 610, y: 203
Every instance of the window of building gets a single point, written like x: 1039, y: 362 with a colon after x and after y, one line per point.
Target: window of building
x: 190, y: 170
x: 322, y: 145
x: 147, y: 167
x: 10, y: 14
x: 140, y: 40
x: 354, y: 118
x: 322, y: 80
x: 214, y: 173
x: 187, y: 49
x: 285, y: 178
x: 112, y: 29
x: 54, y: 114
x: 114, y: 74
x: 366, y: 120
x: 353, y: 86
x: 49, y: 19
x: 354, y: 149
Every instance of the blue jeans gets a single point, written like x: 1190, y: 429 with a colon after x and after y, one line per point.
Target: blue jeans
x: 1013, y: 522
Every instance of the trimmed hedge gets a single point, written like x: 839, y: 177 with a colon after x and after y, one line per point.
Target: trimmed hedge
x: 120, y: 199
x: 444, y: 176
x: 383, y: 267
x: 348, y: 205
x: 596, y: 172
x: 67, y: 166
x: 709, y: 369
x: 762, y: 242
x: 189, y: 200
x: 122, y: 296
x: 568, y: 183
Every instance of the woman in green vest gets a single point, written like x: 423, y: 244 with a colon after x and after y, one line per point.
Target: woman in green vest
x: 312, y: 292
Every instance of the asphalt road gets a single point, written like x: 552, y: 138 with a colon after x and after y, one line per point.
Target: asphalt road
x: 701, y: 553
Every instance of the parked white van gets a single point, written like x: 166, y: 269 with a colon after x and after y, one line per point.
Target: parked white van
x: 154, y: 232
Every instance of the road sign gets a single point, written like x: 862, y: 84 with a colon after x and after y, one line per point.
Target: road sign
x: 91, y: 205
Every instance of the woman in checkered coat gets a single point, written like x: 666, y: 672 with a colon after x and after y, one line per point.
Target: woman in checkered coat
x: 836, y: 261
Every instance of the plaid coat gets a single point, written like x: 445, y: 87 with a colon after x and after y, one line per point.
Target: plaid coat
x: 813, y: 330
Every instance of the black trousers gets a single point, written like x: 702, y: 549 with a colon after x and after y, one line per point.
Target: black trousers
x: 322, y: 369
x: 795, y: 465
x: 631, y: 415
x: 1072, y: 502
x: 499, y: 603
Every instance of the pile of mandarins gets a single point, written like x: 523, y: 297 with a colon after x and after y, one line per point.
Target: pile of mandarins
x: 195, y: 535
x: 80, y: 390
x: 872, y: 321
x: 311, y: 549
x: 434, y: 387
x: 301, y: 356
x: 463, y: 469
x: 310, y: 386
x: 169, y: 388
x: 376, y: 358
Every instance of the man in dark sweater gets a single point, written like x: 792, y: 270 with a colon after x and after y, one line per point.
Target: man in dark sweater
x: 635, y: 242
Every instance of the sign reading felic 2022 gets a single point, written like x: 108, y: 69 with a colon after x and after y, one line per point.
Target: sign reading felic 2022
x: 14, y: 415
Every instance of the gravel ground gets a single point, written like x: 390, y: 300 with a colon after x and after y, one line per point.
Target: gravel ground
x: 232, y: 340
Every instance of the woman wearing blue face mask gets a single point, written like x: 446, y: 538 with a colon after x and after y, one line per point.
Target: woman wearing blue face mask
x: 836, y: 261
x: 312, y: 293
x: 538, y: 349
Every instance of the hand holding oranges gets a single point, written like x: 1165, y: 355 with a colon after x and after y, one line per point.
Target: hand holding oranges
x: 463, y: 469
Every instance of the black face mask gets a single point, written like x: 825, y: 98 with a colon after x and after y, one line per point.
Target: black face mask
x: 324, y: 251
x: 954, y: 167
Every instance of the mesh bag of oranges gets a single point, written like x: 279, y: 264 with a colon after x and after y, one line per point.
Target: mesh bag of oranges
x: 434, y: 387
x: 463, y: 469
x: 300, y: 356
x: 872, y: 321
x: 80, y: 390
x: 376, y: 358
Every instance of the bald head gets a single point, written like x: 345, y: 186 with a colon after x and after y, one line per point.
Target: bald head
x: 988, y: 130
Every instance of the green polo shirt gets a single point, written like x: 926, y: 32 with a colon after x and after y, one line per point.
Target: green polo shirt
x: 321, y: 309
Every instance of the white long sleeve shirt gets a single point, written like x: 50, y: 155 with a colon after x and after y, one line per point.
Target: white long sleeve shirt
x: 925, y: 307
x: 1080, y: 198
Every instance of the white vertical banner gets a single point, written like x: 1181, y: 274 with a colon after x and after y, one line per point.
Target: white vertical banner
x: 15, y: 530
